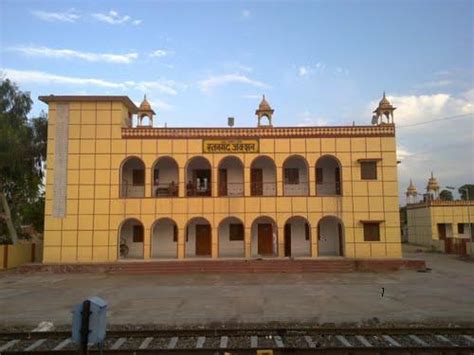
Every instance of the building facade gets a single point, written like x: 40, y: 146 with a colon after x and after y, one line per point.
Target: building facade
x: 119, y: 188
x: 445, y: 226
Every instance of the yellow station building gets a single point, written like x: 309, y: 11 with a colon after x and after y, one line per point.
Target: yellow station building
x: 119, y: 188
x: 446, y: 226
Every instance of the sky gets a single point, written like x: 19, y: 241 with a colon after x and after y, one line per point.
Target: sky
x: 317, y: 62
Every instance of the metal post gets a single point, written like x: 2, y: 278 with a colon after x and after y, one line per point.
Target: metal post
x: 86, y: 306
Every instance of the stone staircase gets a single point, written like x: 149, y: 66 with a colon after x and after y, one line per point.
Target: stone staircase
x: 229, y: 266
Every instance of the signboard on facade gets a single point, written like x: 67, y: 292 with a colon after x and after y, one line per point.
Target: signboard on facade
x: 230, y: 146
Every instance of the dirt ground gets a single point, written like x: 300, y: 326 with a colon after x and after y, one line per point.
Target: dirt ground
x: 443, y: 295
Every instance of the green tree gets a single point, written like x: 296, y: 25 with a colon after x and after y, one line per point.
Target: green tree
x: 464, y: 193
x: 22, y: 156
x: 446, y: 195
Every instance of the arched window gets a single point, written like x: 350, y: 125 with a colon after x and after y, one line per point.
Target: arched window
x: 132, y: 178
x: 328, y: 176
x: 231, y: 177
x: 263, y: 177
x: 295, y: 176
x: 198, y: 177
x: 165, y: 176
x: 131, y: 239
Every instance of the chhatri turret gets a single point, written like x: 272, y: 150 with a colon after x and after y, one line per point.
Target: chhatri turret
x: 264, y: 110
x: 411, y: 193
x: 432, y: 187
x: 385, y: 109
x: 145, y: 110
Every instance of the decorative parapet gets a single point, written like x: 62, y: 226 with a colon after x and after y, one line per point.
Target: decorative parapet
x: 440, y: 203
x: 385, y: 130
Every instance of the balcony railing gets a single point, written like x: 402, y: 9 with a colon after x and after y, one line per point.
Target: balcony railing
x: 165, y: 190
x: 328, y: 188
x: 232, y: 189
x: 300, y: 189
x: 263, y: 188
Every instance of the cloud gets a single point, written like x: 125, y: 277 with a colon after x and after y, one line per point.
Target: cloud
x: 159, y: 53
x: 70, y: 53
x: 252, y: 96
x: 307, y: 70
x: 167, y: 87
x: 69, y: 16
x: 220, y: 80
x: 309, y: 119
x: 427, y: 144
x: 434, y: 84
x: 157, y: 105
x: 245, y: 14
x: 113, y: 18
x: 415, y: 109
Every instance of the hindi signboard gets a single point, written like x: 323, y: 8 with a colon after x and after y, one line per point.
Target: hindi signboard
x: 230, y: 146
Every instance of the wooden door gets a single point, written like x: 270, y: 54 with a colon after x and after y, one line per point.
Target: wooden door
x: 203, y: 239
x: 337, y: 176
x: 340, y: 239
x: 222, y: 182
x: 288, y: 239
x: 256, y: 179
x: 265, y: 239
x: 442, y: 231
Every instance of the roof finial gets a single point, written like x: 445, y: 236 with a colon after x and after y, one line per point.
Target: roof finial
x: 384, y: 93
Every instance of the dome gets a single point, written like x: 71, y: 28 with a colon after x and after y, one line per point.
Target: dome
x: 264, y: 105
x: 411, y: 190
x: 432, y: 184
x: 145, y: 105
x: 145, y: 108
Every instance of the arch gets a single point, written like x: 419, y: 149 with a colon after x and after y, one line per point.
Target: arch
x: 230, y: 176
x: 198, y: 238
x: 264, y: 237
x: 297, y: 237
x: 165, y: 177
x: 328, y: 171
x: 231, y: 237
x: 295, y: 176
x: 198, y: 177
x: 131, y: 236
x: 132, y: 177
x: 263, y: 176
x: 331, y: 236
x: 164, y: 238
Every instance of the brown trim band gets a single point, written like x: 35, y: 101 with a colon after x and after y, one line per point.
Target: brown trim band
x: 387, y: 130
x: 364, y: 160
x: 372, y: 221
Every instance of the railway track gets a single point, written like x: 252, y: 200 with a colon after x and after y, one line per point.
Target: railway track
x: 248, y: 341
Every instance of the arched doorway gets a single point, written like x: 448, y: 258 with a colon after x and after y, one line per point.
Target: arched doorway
x: 328, y: 176
x: 164, y: 239
x: 330, y: 236
x: 297, y: 236
x: 295, y: 176
x: 198, y: 177
x: 264, y: 240
x: 131, y: 239
x: 132, y: 178
x: 231, y: 177
x: 165, y: 178
x: 231, y: 233
x: 263, y: 177
x: 198, y: 238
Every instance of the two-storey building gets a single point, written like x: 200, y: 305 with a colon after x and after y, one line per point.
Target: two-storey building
x: 120, y: 188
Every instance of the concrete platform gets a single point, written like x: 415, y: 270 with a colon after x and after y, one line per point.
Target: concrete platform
x: 443, y: 295
x: 220, y: 266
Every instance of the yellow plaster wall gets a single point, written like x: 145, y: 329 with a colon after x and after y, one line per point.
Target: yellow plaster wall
x: 423, y: 223
x: 18, y: 254
x: 89, y: 232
